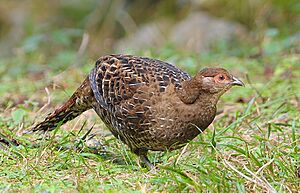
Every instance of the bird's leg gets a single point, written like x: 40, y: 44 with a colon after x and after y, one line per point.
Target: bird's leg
x: 142, y: 153
x: 146, y: 161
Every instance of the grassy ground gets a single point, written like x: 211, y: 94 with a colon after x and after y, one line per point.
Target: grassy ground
x: 252, y: 146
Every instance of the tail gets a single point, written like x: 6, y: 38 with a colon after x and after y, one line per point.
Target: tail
x: 79, y: 102
x: 8, y: 141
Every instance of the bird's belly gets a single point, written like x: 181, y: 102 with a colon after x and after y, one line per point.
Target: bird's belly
x: 172, y: 132
x: 166, y: 134
x: 170, y: 137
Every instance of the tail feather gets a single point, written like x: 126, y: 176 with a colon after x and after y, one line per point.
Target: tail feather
x: 79, y: 102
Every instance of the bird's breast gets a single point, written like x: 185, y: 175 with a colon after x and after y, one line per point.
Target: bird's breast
x: 177, y: 123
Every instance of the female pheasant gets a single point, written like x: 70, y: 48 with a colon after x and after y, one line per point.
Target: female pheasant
x: 146, y: 103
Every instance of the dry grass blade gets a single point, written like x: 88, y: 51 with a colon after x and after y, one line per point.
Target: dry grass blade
x: 256, y: 180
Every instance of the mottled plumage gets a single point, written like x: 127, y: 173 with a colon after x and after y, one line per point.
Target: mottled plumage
x: 146, y: 103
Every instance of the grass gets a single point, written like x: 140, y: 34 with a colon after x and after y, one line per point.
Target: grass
x: 252, y: 146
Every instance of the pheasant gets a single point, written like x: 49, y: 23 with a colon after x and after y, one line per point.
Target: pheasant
x: 146, y: 103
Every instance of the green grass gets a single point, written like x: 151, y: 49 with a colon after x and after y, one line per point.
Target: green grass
x: 252, y: 146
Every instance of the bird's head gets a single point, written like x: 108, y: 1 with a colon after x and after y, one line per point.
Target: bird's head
x: 210, y: 81
x: 217, y: 80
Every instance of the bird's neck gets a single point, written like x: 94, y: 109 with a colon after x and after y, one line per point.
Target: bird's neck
x: 194, y: 90
x: 206, y: 108
x: 205, y: 98
x: 201, y: 102
x: 189, y: 91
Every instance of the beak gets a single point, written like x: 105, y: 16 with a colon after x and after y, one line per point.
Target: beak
x: 237, y: 82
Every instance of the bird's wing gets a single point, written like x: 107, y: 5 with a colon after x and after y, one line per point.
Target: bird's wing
x: 117, y: 78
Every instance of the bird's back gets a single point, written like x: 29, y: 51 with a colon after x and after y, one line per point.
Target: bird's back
x: 117, y: 77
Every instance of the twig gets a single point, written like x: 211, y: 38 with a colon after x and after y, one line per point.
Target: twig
x: 48, y: 101
x: 82, y: 49
x: 181, y: 153
x: 264, y: 166
x: 261, y: 180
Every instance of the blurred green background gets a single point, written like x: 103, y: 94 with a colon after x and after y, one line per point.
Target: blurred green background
x: 56, y: 28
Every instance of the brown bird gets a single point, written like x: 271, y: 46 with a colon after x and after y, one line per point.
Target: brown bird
x: 146, y: 103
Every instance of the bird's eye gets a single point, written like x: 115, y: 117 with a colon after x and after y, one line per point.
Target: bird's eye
x: 221, y: 77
